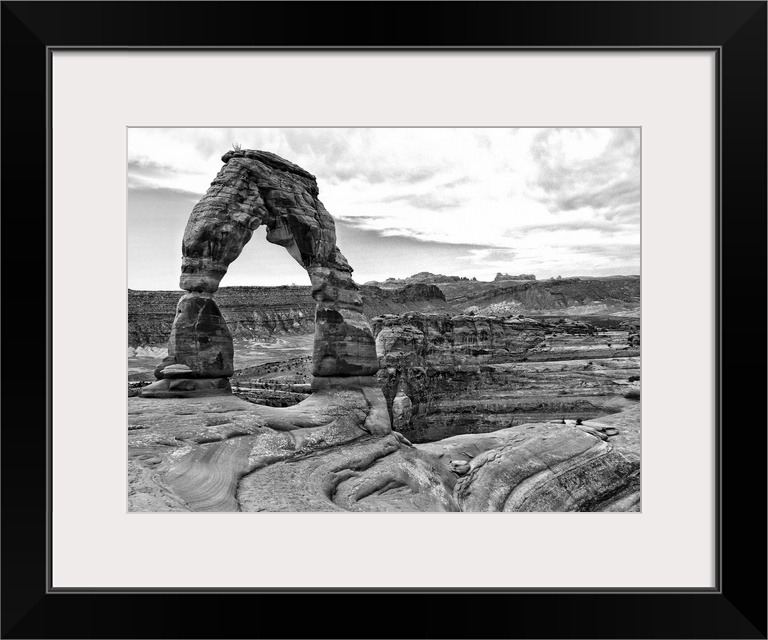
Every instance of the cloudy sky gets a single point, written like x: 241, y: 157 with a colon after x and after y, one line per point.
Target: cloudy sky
x: 467, y: 202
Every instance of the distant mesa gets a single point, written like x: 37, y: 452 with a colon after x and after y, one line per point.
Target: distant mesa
x: 423, y: 277
x: 506, y: 276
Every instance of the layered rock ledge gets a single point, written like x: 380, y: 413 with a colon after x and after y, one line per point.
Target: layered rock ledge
x: 443, y: 375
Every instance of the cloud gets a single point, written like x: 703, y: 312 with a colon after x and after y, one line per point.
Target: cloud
x: 491, y: 255
x: 612, y: 195
x: 150, y: 168
x: 613, y: 249
x: 344, y: 173
x: 458, y: 182
x: 426, y: 201
x: 606, y: 227
x: 372, y: 156
x: 362, y: 224
x: 139, y: 184
x: 594, y: 169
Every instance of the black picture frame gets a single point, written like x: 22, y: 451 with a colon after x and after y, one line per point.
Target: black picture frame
x: 735, y: 608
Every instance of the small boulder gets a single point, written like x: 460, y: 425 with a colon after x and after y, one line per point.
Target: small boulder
x: 178, y: 371
x: 459, y: 467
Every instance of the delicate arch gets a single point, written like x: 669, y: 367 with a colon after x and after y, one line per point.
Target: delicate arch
x: 255, y: 188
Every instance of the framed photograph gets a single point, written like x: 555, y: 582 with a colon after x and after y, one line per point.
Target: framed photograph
x: 418, y: 302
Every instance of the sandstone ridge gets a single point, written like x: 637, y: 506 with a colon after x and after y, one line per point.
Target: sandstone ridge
x: 268, y: 312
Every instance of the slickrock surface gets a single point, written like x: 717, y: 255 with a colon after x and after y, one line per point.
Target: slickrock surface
x: 367, y: 475
x: 333, y: 452
x: 444, y: 375
x: 542, y: 467
x: 191, y: 453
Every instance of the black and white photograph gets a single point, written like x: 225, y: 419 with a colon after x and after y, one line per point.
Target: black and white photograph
x: 384, y: 319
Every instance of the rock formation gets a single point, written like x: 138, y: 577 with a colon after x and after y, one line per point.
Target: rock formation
x: 443, y: 375
x: 255, y: 188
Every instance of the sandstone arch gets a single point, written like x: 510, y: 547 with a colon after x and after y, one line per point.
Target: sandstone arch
x: 259, y: 188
